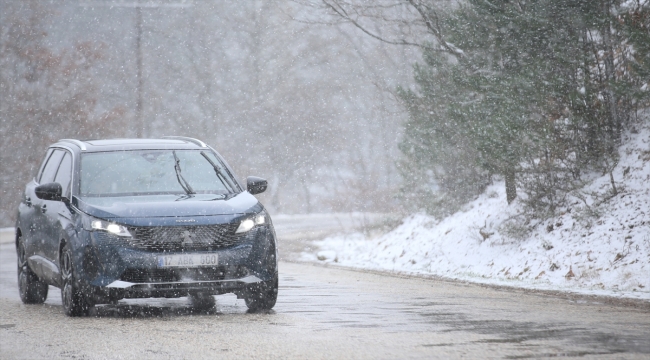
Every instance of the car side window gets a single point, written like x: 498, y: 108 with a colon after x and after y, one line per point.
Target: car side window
x: 49, y: 171
x: 40, y: 168
x: 64, y: 174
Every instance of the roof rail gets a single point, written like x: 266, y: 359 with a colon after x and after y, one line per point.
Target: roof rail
x: 81, y: 145
x: 192, y: 140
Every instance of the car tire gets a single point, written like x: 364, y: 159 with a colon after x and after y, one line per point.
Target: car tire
x: 75, y: 303
x: 32, y: 290
x: 262, y: 296
x: 202, y: 301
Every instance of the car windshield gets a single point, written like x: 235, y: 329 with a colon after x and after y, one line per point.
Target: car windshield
x: 154, y: 172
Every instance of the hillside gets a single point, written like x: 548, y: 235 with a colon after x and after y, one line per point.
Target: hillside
x: 592, y: 248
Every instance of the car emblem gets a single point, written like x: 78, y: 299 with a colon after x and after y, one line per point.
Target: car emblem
x: 186, y: 220
x: 187, y: 237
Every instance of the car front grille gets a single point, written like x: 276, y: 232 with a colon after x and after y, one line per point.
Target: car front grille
x: 184, y: 238
x: 178, y: 238
x: 173, y: 275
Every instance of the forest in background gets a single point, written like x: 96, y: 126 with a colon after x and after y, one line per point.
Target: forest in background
x: 533, y: 92
x: 342, y: 105
x: 310, y: 106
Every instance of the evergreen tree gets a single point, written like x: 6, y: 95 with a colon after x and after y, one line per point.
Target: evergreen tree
x: 535, y: 91
x: 536, y: 96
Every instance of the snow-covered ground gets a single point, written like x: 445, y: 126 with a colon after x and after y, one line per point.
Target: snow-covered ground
x: 608, y: 254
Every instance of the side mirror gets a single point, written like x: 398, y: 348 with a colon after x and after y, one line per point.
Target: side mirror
x: 255, y: 185
x: 50, y: 191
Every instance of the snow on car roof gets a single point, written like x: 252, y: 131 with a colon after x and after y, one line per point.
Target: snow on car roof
x: 135, y: 144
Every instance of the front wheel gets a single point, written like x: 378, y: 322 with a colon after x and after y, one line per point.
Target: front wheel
x: 75, y: 303
x: 262, y: 296
x: 31, y: 289
x: 202, y: 302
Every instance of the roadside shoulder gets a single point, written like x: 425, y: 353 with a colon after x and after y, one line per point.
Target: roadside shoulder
x: 575, y: 297
x: 7, y: 235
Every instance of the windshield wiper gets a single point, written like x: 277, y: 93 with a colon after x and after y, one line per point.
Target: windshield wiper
x: 219, y: 173
x: 181, y: 180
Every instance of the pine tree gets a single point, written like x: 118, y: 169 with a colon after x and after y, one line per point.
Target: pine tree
x: 536, y: 97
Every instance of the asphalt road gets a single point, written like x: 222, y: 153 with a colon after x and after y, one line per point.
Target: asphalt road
x: 328, y: 313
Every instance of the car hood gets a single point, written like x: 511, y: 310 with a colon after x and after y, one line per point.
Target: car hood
x: 124, y: 207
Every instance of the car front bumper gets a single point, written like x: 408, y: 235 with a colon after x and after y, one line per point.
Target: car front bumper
x: 110, y: 270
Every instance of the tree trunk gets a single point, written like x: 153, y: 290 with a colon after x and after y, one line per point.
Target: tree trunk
x: 614, y: 123
x: 511, y: 186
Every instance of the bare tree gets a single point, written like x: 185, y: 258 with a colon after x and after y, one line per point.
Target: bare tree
x: 46, y: 95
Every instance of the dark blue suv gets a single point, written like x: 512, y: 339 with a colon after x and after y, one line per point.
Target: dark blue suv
x: 106, y: 220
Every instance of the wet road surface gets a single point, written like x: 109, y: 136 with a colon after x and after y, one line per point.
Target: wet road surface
x: 328, y: 313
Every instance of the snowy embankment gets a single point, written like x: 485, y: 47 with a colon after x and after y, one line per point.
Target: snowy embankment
x: 577, y: 251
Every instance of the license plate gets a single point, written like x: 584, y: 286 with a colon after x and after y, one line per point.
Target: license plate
x: 189, y: 260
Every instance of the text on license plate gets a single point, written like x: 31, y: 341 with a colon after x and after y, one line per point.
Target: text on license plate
x: 189, y: 260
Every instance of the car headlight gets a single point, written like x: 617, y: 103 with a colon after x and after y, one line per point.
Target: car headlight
x: 92, y: 224
x: 249, y: 223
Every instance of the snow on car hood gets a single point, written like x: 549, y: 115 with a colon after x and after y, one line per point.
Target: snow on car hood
x: 167, y: 205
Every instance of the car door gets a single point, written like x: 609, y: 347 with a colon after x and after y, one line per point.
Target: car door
x: 28, y: 213
x: 36, y: 251
x: 57, y: 217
